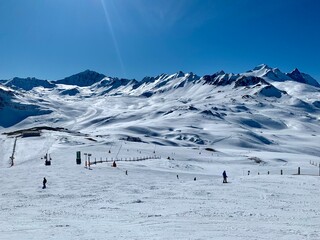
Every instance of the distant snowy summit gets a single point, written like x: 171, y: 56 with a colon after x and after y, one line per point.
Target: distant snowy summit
x: 28, y: 83
x: 303, y: 78
x: 275, y: 74
x: 82, y: 79
x: 262, y: 74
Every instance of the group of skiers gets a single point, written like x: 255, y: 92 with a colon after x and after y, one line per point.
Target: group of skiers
x: 224, y: 175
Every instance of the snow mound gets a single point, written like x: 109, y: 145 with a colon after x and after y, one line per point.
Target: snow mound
x: 70, y: 92
x: 298, y: 103
x: 316, y: 104
x: 263, y: 122
x: 246, y: 81
x: 246, y: 140
x: 251, y: 123
x: 270, y: 91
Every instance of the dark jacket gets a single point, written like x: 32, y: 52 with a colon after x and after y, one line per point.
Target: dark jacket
x: 224, y: 174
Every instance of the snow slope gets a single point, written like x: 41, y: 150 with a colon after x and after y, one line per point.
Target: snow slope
x: 150, y: 202
x: 197, y: 127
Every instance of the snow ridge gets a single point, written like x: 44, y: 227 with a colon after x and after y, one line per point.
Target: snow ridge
x: 28, y: 83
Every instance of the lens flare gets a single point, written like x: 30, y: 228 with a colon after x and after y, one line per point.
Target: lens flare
x: 115, y: 42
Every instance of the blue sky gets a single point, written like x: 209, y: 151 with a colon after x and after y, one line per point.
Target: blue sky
x: 52, y: 39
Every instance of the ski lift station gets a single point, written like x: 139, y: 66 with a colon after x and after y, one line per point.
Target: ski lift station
x: 31, y: 133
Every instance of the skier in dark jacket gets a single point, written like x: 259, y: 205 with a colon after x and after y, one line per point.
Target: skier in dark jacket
x: 224, y: 174
x: 44, y: 183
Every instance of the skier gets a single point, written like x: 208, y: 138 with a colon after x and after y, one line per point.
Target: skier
x: 44, y: 183
x: 224, y: 174
x: 114, y: 164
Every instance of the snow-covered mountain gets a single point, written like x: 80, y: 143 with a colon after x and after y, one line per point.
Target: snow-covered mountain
x: 28, y: 83
x: 15, y: 107
x: 274, y: 74
x: 296, y: 75
x: 172, y: 136
x: 262, y: 84
x: 85, y: 78
x: 90, y: 101
x: 163, y: 82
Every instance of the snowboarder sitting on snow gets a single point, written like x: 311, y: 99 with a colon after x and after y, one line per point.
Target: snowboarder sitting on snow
x: 224, y: 174
x: 44, y: 183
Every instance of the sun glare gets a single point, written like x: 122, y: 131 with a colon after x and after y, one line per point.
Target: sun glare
x: 114, y: 39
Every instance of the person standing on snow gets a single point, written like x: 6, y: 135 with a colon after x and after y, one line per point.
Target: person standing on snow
x: 44, y: 183
x: 224, y: 174
x: 114, y: 164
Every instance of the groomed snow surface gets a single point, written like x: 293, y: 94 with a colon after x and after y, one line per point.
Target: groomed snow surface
x: 151, y: 202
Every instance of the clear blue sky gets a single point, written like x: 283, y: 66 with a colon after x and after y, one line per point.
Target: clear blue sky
x: 52, y: 39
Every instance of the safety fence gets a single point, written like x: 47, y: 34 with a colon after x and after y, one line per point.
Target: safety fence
x: 285, y: 171
x: 88, y: 163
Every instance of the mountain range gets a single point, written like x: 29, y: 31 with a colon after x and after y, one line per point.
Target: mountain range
x: 261, y: 108
x: 89, y: 78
